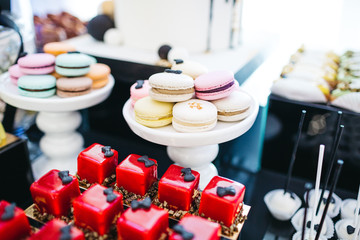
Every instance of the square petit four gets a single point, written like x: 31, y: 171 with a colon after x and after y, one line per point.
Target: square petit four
x: 13, y: 222
x: 194, y: 227
x: 97, y: 208
x: 142, y: 221
x: 96, y: 163
x: 136, y: 174
x: 177, y: 187
x: 58, y: 230
x: 54, y: 192
x: 222, y: 200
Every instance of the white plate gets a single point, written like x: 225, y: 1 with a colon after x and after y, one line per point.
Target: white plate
x: 168, y: 136
x: 9, y: 93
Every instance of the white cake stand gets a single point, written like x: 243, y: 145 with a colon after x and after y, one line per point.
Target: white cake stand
x: 194, y: 150
x: 58, y: 119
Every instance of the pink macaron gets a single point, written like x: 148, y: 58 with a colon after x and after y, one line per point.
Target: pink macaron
x: 214, y: 85
x: 139, y: 90
x: 38, y: 63
x: 15, y: 73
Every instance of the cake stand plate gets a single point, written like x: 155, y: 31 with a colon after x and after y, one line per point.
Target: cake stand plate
x: 58, y: 119
x: 194, y: 150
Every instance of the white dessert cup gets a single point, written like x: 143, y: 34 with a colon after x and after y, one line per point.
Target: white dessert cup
x: 347, y: 208
x: 334, y: 208
x: 297, y: 222
x: 281, y: 213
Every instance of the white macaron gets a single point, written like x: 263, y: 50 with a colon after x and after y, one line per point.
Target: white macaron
x: 194, y: 115
x: 191, y: 68
x: 235, y: 107
x: 171, y: 86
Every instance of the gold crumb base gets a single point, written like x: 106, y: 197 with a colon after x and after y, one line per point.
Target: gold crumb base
x: 34, y: 213
x: 178, y: 214
x: 234, y: 230
x: 108, y: 182
x: 128, y: 197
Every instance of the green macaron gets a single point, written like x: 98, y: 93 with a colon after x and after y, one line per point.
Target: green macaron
x: 73, y: 64
x: 37, y: 86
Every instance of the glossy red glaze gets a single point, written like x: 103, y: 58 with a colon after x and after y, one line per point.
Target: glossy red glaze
x: 94, y: 166
x: 51, y: 196
x: 91, y: 210
x: 200, y: 227
x: 142, y: 224
x: 175, y: 190
x: 16, y: 228
x: 223, y: 209
x: 52, y: 230
x: 134, y: 176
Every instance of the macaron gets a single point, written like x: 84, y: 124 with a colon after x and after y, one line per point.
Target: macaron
x: 57, y: 48
x: 191, y: 68
x: 214, y: 85
x: 139, y: 90
x: 72, y: 87
x: 73, y: 64
x: 171, y: 86
x: 99, y: 73
x: 152, y: 113
x: 37, y: 63
x: 194, y: 116
x: 37, y: 86
x: 235, y: 107
x: 15, y: 73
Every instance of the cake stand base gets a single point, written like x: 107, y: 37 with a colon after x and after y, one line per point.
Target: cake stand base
x: 197, y: 158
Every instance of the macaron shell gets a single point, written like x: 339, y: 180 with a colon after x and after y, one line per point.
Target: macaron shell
x: 72, y: 87
x: 171, y: 87
x: 73, y: 64
x: 194, y: 116
x: 193, y: 69
x: 234, y: 107
x: 38, y: 63
x: 138, y: 93
x: 40, y: 86
x: 100, y: 83
x: 214, y: 85
x: 15, y: 73
x: 152, y: 113
x: 98, y: 71
x: 57, y: 48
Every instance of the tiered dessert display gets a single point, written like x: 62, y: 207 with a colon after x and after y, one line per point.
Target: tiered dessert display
x: 194, y: 135
x: 57, y: 83
x: 135, y: 204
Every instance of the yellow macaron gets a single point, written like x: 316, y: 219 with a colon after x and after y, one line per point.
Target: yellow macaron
x: 152, y: 113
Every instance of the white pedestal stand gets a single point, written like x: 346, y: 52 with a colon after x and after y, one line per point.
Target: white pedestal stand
x: 194, y: 150
x: 58, y: 119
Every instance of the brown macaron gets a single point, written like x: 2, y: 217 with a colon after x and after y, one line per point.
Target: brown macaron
x: 72, y: 87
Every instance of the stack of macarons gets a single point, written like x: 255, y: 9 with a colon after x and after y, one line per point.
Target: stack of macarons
x: 190, y: 102
x: 59, y: 70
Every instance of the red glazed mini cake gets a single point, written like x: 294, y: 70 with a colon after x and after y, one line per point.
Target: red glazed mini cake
x: 58, y: 230
x: 143, y: 221
x: 195, y: 228
x: 96, y: 163
x: 13, y: 222
x: 54, y: 192
x: 96, y: 208
x: 136, y: 174
x: 177, y: 187
x: 221, y: 200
